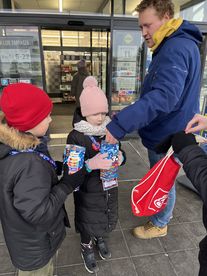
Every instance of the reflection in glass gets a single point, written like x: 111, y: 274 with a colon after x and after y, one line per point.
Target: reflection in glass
x: 20, y: 56
x: 130, y: 6
x: 126, y: 68
x: 52, y: 71
x: 196, y: 12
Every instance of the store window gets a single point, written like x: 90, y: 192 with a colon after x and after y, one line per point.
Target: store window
x: 77, y: 39
x: 195, y: 13
x: 100, y: 39
x: 118, y: 7
x: 130, y: 7
x: 126, y: 68
x: 106, y: 8
x: 100, y: 42
x: 50, y: 38
x: 20, y: 56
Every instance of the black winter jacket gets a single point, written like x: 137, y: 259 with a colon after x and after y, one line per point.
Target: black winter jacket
x: 96, y: 210
x: 31, y: 204
x: 194, y: 161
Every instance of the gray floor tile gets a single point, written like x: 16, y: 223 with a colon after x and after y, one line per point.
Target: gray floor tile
x: 126, y: 186
x: 154, y: 265
x: 74, y: 270
x: 142, y: 247
x: 60, y: 124
x: 69, y: 252
x: 134, y: 167
x: 121, y: 267
x: 196, y: 230
x: 117, y: 245
x: 185, y: 262
x: 124, y: 200
x: 142, y: 151
x: 69, y: 204
x: 2, y: 241
x: 188, y: 207
x: 6, y: 265
x: 177, y: 239
x: 128, y: 220
x: 56, y: 152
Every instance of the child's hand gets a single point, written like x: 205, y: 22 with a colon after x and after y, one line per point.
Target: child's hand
x: 99, y: 161
x: 120, y: 158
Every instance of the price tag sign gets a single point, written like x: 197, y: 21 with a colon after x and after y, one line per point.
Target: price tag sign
x: 15, y: 55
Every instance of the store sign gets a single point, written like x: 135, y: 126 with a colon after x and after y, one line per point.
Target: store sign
x: 127, y: 52
x: 128, y: 39
x: 15, y: 49
x: 15, y: 55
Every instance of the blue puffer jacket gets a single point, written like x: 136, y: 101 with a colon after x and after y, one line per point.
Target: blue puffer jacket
x: 170, y: 92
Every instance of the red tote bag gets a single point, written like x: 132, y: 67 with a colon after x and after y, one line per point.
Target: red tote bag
x: 150, y: 195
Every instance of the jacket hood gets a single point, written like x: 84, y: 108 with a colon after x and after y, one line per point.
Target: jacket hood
x: 77, y: 117
x: 14, y: 139
x: 189, y: 31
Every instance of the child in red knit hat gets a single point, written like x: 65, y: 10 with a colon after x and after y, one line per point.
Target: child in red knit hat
x: 32, y: 209
x: 96, y: 205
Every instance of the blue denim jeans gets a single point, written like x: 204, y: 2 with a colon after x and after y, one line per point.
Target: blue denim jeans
x: 161, y: 219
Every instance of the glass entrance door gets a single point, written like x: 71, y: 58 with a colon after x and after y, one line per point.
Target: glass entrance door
x: 63, y: 50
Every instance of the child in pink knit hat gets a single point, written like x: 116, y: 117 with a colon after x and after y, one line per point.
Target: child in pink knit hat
x: 96, y: 209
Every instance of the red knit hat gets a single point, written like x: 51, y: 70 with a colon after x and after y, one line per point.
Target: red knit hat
x: 24, y: 105
x: 92, y: 99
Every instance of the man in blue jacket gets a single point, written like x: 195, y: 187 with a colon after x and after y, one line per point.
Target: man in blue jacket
x: 170, y: 92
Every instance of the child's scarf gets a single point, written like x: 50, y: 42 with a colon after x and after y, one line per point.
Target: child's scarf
x: 88, y: 129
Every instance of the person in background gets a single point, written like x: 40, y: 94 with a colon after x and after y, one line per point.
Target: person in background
x: 32, y: 210
x: 96, y: 209
x: 170, y: 92
x: 78, y: 79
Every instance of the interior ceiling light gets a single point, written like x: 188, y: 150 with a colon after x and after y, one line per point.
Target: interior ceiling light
x: 60, y: 5
x: 134, y: 13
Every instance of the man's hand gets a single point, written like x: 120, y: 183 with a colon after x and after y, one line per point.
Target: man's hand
x: 110, y: 138
x: 198, y: 123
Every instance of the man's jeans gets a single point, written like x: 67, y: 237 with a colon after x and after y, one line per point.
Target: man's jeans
x: 161, y: 219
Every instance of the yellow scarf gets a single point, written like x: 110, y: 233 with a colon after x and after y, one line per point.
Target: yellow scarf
x: 165, y: 30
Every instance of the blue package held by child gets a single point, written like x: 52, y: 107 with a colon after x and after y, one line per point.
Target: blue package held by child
x: 109, y: 177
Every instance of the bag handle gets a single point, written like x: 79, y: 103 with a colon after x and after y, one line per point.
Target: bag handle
x: 162, y: 163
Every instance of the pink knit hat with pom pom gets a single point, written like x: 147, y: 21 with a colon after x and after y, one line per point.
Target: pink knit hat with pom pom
x: 92, y: 99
